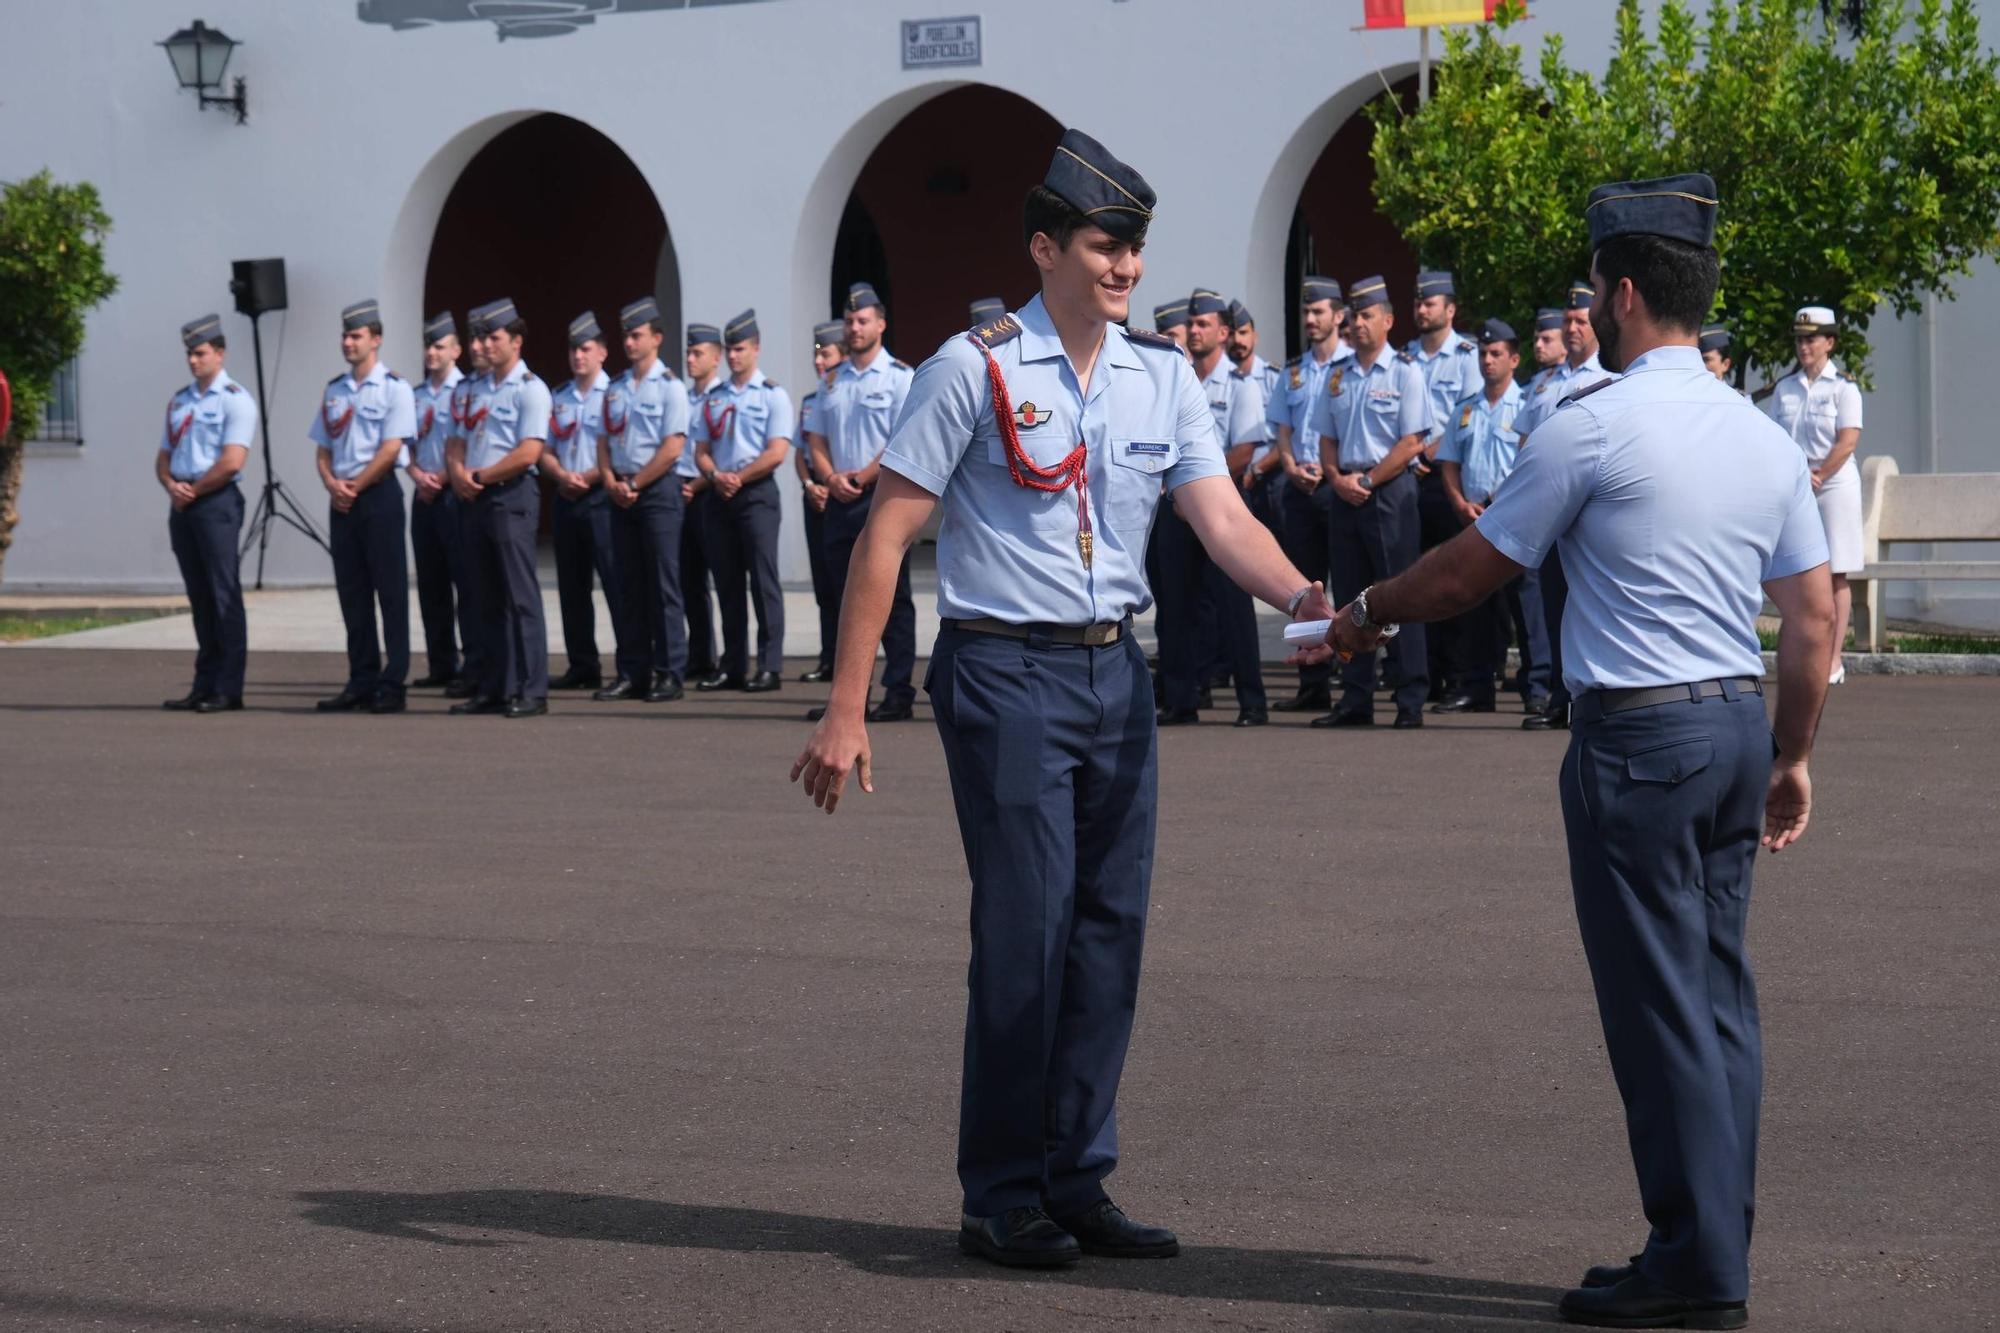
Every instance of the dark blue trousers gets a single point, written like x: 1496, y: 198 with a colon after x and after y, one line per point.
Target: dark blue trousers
x: 1267, y: 502
x: 463, y: 521
x: 1185, y: 573
x: 509, y: 591
x: 743, y: 555
x: 433, y: 535
x: 369, y: 570
x: 1372, y: 541
x: 1555, y: 596
x: 1663, y: 807
x: 204, y: 538
x: 584, y: 548
x: 841, y: 528
x: 1309, y: 542
x: 697, y: 604
x: 1531, y: 632
x: 1437, y: 523
x: 1051, y: 754
x: 824, y: 596
x: 647, y: 539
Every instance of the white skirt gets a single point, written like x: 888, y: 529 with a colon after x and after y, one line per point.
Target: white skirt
x: 1840, y: 510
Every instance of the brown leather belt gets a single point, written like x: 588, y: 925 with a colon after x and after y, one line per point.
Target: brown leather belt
x: 1598, y: 703
x: 1090, y: 636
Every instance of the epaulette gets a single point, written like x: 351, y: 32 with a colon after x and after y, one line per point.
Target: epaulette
x: 232, y: 387
x: 1148, y: 338
x: 390, y: 374
x: 1472, y: 397
x: 1588, y: 390
x: 670, y: 371
x: 1406, y: 357
x: 770, y: 383
x: 808, y: 398
x: 336, y: 379
x: 900, y: 365
x: 1004, y: 329
x: 1765, y: 392
x: 1466, y: 344
x: 567, y: 385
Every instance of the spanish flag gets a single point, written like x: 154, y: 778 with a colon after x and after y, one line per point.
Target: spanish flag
x: 1426, y: 13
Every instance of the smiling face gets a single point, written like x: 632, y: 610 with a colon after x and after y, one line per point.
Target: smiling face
x: 1815, y: 350
x: 440, y: 355
x: 826, y: 356
x: 1093, y: 276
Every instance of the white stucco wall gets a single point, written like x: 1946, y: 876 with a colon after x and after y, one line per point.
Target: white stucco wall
x: 357, y: 133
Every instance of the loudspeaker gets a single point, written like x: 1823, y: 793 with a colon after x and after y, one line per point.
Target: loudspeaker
x: 258, y: 285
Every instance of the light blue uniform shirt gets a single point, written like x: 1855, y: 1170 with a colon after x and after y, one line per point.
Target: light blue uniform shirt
x: 576, y: 422
x: 856, y: 411
x: 1675, y: 501
x: 686, y: 466
x: 200, y: 422
x: 1265, y: 378
x: 1367, y: 411
x: 1236, y: 405
x: 434, y: 419
x: 1481, y: 440
x: 1554, y: 384
x: 641, y: 414
x: 1009, y: 552
x: 1450, y: 373
x: 736, y: 423
x: 516, y: 409
x: 354, y: 419
x: 1300, y: 386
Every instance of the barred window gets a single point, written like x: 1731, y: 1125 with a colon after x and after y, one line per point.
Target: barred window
x: 62, y: 418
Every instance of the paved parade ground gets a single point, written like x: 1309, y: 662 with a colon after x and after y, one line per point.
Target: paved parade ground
x: 591, y: 1022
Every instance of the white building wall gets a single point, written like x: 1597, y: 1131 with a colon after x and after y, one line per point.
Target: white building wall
x: 750, y: 122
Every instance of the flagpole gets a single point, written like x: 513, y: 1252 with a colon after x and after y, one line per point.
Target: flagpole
x: 1423, y: 65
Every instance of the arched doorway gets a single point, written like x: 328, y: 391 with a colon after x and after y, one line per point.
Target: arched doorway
x: 588, y: 234
x: 934, y: 217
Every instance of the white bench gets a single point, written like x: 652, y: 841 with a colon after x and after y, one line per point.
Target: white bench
x: 1918, y: 507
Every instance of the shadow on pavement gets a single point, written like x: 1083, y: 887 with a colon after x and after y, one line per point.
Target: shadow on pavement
x: 1209, y: 1272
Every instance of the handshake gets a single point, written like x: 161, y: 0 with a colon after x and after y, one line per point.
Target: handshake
x: 1345, y: 634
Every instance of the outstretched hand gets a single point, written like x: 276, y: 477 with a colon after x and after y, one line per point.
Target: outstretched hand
x: 838, y: 746
x: 1316, y: 606
x: 1349, y: 639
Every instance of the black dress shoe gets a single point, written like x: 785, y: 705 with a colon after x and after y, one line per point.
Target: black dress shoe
x: 665, y: 690
x: 1464, y: 703
x: 1610, y: 1275
x: 577, y: 679
x: 522, y: 706
x: 720, y: 680
x: 1305, y: 701
x: 460, y: 688
x: 219, y: 703
x: 763, y: 683
x: 1554, y: 719
x: 1534, y: 703
x: 1103, y: 1229
x: 1409, y: 719
x: 1178, y: 717
x: 480, y: 706
x: 621, y: 688
x: 431, y: 682
x: 1018, y: 1238
x: 1640, y: 1302
x: 819, y: 675
x: 1345, y: 717
x: 347, y: 701
x: 815, y: 713
x: 893, y: 710
x: 1253, y: 717
x: 387, y: 701
x: 184, y: 704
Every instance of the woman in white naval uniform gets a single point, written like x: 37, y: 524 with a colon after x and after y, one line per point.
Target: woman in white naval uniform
x: 1821, y: 407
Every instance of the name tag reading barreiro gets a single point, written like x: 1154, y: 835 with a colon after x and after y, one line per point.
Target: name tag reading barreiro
x: 1158, y: 447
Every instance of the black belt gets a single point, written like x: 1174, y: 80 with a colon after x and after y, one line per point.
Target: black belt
x: 501, y: 487
x: 1091, y: 636
x: 1599, y: 703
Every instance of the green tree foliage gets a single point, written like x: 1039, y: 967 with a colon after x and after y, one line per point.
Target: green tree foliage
x: 1854, y: 172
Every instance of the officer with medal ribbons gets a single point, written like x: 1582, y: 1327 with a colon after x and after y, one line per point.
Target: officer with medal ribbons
x: 704, y: 371
x: 1040, y: 691
x: 829, y: 350
x: 362, y: 432
x: 1669, y: 785
x: 1306, y: 507
x: 742, y: 428
x: 434, y: 539
x: 211, y: 423
x: 492, y: 470
x: 846, y: 435
x: 581, y: 526
x: 468, y: 410
x: 645, y: 435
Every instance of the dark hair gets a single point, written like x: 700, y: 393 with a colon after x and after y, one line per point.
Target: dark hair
x: 1513, y: 344
x: 652, y: 324
x: 218, y: 342
x: 516, y: 326
x: 1676, y: 280
x: 374, y: 326
x: 1055, y: 217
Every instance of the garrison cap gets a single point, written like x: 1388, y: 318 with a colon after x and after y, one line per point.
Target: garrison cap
x: 704, y: 333
x: 1112, y: 195
x: 1548, y: 317
x: 1368, y: 291
x: 828, y: 334
x: 584, y: 329
x: 439, y: 327
x: 360, y: 315
x: 475, y: 320
x: 987, y: 309
x: 861, y: 295
x: 500, y: 313
x: 1714, y: 338
x: 1316, y: 288
x: 645, y: 310
x: 744, y: 327
x: 1681, y: 208
x: 198, y: 331
x: 1497, y: 331
x: 1239, y: 315
x: 1206, y: 302
x: 1436, y: 282
x: 1581, y: 294
x: 1814, y: 319
x: 1172, y: 315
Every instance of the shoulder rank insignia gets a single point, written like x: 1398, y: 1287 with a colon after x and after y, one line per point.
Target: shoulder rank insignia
x: 390, y: 374
x: 232, y: 387
x: 1466, y: 344
x: 1001, y: 330
x: 770, y: 383
x: 900, y: 365
x: 1405, y: 356
x: 1763, y: 393
x: 336, y: 379
x: 567, y: 385
x: 1148, y: 338
x: 1587, y: 391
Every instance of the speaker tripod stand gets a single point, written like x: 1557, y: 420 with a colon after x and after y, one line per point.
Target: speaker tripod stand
x: 275, y: 503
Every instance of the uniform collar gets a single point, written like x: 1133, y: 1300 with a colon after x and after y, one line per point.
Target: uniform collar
x: 222, y: 382
x: 1222, y: 372
x: 375, y: 376
x: 517, y: 375
x: 846, y: 368
x: 602, y: 381
x: 1040, y: 342
x: 1563, y: 367
x: 1258, y: 365
x: 1512, y: 394
x: 1672, y: 357
x: 1342, y: 350
x: 756, y: 381
x: 452, y: 376
x: 658, y: 372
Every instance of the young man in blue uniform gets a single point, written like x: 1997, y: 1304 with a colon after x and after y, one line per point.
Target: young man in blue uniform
x: 1306, y: 501
x: 1670, y: 780
x: 1263, y: 475
x: 1040, y: 691
x: 1450, y: 362
x: 829, y: 350
x: 204, y: 443
x: 582, y: 522
x: 365, y: 421
x: 434, y: 539
x: 704, y: 369
x: 468, y: 410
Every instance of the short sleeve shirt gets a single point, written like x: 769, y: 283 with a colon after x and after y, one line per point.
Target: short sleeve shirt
x: 516, y: 409
x: 1554, y: 384
x: 356, y: 416
x: 576, y: 422
x: 1235, y: 403
x: 641, y: 414
x: 1450, y: 373
x: 1300, y: 386
x: 1480, y: 438
x: 201, y: 422
x: 737, y: 422
x: 1813, y: 412
x: 434, y: 407
x: 1366, y: 410
x: 855, y: 409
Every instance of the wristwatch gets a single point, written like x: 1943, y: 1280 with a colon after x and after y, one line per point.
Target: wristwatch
x: 475, y: 478
x: 1367, y: 480
x: 1359, y: 611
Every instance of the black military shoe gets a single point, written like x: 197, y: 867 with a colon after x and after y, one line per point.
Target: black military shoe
x: 1409, y: 719
x: 522, y: 706
x: 1552, y: 719
x: 460, y: 688
x: 1253, y: 717
x: 1640, y: 1302
x: 480, y: 706
x: 387, y: 701
x: 720, y: 680
x: 219, y: 703
x: 763, y: 683
x: 1610, y: 1275
x: 1464, y: 703
x: 665, y: 690
x: 1178, y: 717
x: 1103, y: 1229
x: 819, y: 675
x: 1018, y: 1238
x: 184, y: 704
x: 347, y: 701
x: 576, y: 678
x: 1305, y: 701
x: 431, y: 682
x: 1345, y: 717
x: 893, y: 710
x: 621, y: 688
